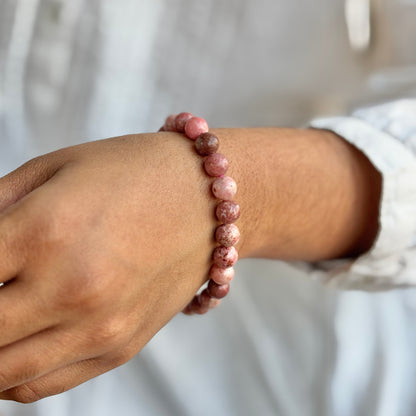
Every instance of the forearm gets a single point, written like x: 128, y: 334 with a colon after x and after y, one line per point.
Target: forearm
x: 305, y: 194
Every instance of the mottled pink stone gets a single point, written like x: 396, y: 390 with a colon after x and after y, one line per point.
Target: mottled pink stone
x: 197, y: 307
x: 170, y: 123
x: 195, y: 126
x: 181, y: 120
x: 228, y: 212
x: 227, y: 235
x: 216, y: 165
x: 207, y: 144
x: 225, y: 256
x: 206, y: 301
x: 204, y: 298
x: 224, y: 188
x: 201, y: 304
x: 218, y: 291
x: 221, y: 276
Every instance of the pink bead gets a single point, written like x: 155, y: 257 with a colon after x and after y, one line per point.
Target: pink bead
x: 216, y: 164
x: 227, y: 235
x: 188, y: 309
x: 224, y: 188
x: 170, y: 123
x: 206, y: 301
x: 221, y: 276
x: 181, y: 120
x: 218, y: 291
x: 197, y: 307
x: 204, y: 298
x: 191, y: 306
x: 195, y: 126
x: 225, y: 256
x: 207, y: 144
x: 228, y: 212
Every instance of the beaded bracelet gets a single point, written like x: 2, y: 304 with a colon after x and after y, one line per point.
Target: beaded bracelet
x: 227, y: 211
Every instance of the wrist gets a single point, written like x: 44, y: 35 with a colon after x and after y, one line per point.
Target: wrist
x: 306, y: 194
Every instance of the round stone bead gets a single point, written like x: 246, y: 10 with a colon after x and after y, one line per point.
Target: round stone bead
x: 228, y: 212
x: 227, y: 235
x: 206, y: 300
x: 221, y: 276
x: 188, y: 308
x: 170, y: 123
x: 224, y: 188
x: 195, y: 126
x: 225, y: 256
x: 216, y: 165
x: 197, y: 307
x: 218, y: 291
x: 207, y: 144
x: 181, y: 120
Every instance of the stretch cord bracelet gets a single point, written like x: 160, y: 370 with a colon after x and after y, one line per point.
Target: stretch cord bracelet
x: 227, y: 211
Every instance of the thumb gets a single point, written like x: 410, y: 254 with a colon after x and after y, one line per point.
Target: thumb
x: 17, y: 184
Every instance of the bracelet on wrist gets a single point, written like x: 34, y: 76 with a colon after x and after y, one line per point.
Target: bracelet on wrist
x: 227, y: 211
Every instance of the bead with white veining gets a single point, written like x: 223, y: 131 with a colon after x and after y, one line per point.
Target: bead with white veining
x: 224, y: 188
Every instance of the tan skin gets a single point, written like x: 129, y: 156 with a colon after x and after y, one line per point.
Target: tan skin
x: 103, y: 243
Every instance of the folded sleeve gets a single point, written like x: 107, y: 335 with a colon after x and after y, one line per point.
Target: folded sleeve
x: 386, y: 134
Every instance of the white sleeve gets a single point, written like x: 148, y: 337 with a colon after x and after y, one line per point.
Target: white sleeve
x: 386, y: 134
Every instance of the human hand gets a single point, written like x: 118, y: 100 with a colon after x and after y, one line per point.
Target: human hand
x: 101, y: 245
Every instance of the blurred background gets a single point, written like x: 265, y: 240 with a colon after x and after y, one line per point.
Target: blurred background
x: 281, y: 344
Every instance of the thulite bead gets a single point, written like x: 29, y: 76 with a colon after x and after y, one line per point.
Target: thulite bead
x: 196, y: 306
x: 224, y: 188
x: 204, y: 298
x: 170, y: 123
x: 221, y: 276
x: 227, y: 235
x: 228, y: 212
x: 218, y: 291
x: 181, y: 120
x: 225, y: 256
x: 195, y: 126
x: 216, y: 165
x: 207, y: 144
x: 206, y: 301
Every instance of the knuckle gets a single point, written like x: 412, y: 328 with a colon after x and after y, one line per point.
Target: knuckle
x: 50, y: 225
x: 53, y: 224
x: 109, y: 335
x: 25, y: 394
x: 90, y: 295
x: 85, y: 290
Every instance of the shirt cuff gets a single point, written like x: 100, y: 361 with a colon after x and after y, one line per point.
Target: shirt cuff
x: 383, y: 266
